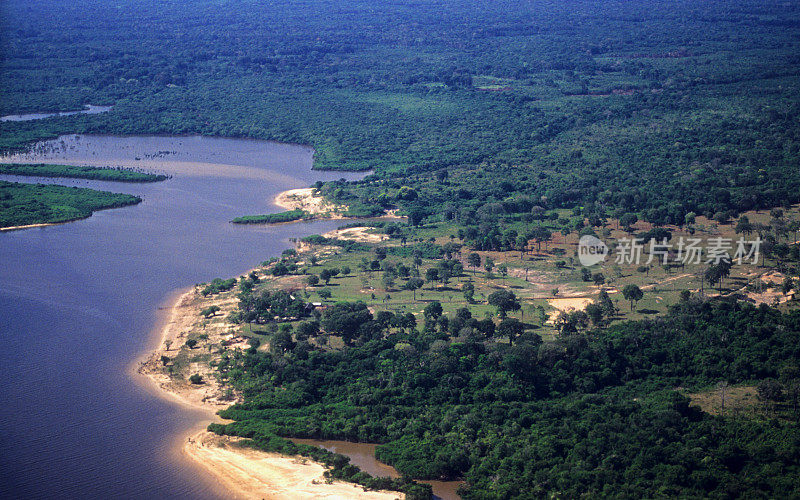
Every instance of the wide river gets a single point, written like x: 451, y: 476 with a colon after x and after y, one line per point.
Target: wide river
x: 79, y: 301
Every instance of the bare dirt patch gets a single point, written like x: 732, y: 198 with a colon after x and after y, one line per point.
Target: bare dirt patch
x: 567, y: 305
x: 361, y: 234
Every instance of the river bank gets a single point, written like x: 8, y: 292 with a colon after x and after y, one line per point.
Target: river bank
x: 241, y: 471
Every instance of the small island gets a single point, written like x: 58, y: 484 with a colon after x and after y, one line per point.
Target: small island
x: 25, y: 205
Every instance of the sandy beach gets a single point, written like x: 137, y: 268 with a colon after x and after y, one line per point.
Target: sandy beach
x: 249, y: 473
x: 242, y: 472
x: 27, y: 226
x: 306, y: 199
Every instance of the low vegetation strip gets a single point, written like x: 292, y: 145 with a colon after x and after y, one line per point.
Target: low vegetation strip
x: 287, y: 216
x: 74, y: 172
x: 25, y: 204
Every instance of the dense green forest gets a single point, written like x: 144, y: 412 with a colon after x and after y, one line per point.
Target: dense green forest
x: 22, y: 204
x: 69, y: 171
x: 602, y: 413
x: 661, y: 108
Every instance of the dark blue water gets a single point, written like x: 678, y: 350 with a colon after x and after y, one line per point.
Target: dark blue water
x: 79, y: 301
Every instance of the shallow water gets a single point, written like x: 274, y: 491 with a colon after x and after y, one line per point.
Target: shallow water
x: 78, y: 303
x: 89, y: 110
x: 363, y: 456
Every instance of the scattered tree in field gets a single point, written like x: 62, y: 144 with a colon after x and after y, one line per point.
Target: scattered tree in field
x: 503, y: 269
x: 633, y: 293
x: 488, y: 264
x: 196, y: 379
x: 388, y: 279
x: 326, y: 275
x: 542, y: 314
x: 540, y: 234
x: 522, y: 244
x: 312, y: 280
x: 504, y: 301
x: 598, y: 279
x: 744, y: 226
x: 325, y: 293
x: 191, y: 343
x: 716, y: 274
x: 210, y: 311
x: 414, y: 284
x: 432, y: 275
x: 469, y: 292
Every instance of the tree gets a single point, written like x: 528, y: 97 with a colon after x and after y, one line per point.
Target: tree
x: 414, y: 284
x: 210, y: 311
x: 407, y: 320
x: 571, y: 321
x: 628, y: 220
x: 325, y: 294
x: 606, y: 303
x: 717, y: 273
x: 503, y: 271
x: 522, y: 243
x: 633, y: 293
x: 511, y: 328
x: 326, y: 275
x: 770, y: 392
x: 191, y: 343
x: 540, y: 234
x: 488, y: 264
x: 542, y: 314
x: 598, y: 279
x: 744, y: 226
x: 312, y: 280
x: 469, y: 292
x: 281, y: 341
x: 432, y: 275
x: 504, y: 301
x: 306, y: 330
x: 196, y: 379
x: 595, y: 313
x: 345, y: 318
x: 433, y: 310
x: 486, y: 327
x: 388, y: 279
